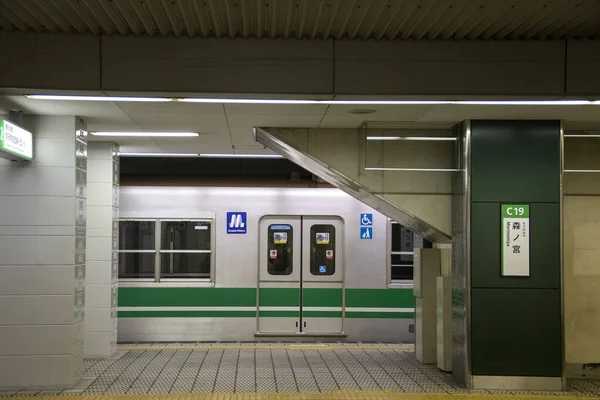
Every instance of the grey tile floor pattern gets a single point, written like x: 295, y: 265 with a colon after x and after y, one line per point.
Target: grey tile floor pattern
x: 281, y: 368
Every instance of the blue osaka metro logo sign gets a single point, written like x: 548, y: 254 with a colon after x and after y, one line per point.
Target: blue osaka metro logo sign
x: 236, y: 223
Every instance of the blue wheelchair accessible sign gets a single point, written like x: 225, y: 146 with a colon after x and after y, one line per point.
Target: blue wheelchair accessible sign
x: 366, y: 226
x: 366, y: 219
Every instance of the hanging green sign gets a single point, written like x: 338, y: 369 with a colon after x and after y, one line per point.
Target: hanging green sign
x: 15, y: 142
x: 515, y: 240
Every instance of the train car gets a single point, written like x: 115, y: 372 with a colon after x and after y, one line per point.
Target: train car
x: 246, y: 263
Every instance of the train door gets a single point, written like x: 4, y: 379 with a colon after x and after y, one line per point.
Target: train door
x: 322, y: 275
x: 300, y: 287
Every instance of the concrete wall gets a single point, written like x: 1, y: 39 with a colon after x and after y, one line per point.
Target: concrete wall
x: 425, y: 196
x: 194, y: 65
x: 42, y: 263
x: 102, y: 245
x: 582, y: 255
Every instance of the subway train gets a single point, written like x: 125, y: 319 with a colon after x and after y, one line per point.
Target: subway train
x: 260, y: 263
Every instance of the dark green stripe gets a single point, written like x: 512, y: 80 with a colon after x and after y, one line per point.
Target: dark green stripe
x: 391, y: 298
x: 269, y: 314
x: 379, y: 315
x: 187, y: 297
x: 246, y: 297
x: 198, y: 314
x: 282, y: 297
x: 322, y: 314
x: 287, y: 314
x: 322, y: 297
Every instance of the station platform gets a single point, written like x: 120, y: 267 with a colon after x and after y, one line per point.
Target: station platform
x: 185, y: 371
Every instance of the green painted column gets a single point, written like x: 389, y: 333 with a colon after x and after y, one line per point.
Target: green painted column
x: 508, y: 255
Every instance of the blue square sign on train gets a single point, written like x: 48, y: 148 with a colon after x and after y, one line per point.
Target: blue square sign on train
x: 236, y: 223
x: 366, y: 219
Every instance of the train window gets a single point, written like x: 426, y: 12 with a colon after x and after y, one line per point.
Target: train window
x: 137, y: 250
x: 280, y: 245
x: 185, y: 251
x: 403, y: 242
x: 322, y: 245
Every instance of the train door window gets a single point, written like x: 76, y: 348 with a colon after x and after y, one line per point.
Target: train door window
x: 402, y: 242
x: 137, y: 249
x: 280, y: 247
x: 186, y: 249
x: 322, y: 243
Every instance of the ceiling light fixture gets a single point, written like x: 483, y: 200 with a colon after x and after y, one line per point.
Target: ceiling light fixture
x: 583, y: 136
x: 325, y: 102
x: 157, y: 154
x: 146, y: 134
x: 226, y: 155
x: 98, y: 98
x: 416, y: 138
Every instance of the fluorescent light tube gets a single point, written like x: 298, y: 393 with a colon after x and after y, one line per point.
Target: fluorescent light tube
x: 584, y: 136
x: 332, y: 102
x: 157, y: 154
x: 241, y: 155
x: 249, y: 101
x: 98, y: 98
x: 146, y: 134
x: 413, y: 169
x: 417, y: 138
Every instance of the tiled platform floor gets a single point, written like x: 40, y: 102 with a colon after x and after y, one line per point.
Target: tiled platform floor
x: 337, y: 370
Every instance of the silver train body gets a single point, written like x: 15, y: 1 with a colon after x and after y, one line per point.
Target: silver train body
x: 236, y: 303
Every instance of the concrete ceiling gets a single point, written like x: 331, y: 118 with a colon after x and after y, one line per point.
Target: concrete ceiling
x: 227, y: 128
x: 349, y: 19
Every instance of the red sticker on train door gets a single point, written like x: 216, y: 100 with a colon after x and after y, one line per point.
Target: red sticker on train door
x: 329, y: 254
x: 272, y: 254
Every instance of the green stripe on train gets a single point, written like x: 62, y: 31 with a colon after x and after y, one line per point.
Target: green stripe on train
x: 252, y: 314
x: 269, y: 297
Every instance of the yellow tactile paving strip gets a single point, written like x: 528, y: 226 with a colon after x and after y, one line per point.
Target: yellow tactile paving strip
x: 342, y: 394
x: 266, y: 346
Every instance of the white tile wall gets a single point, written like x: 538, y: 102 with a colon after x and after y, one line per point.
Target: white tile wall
x: 40, y: 371
x: 99, y: 216
x: 101, y: 287
x: 100, y: 193
x: 41, y: 298
x: 38, y: 250
x: 37, y: 309
x: 97, y: 344
x: 97, y: 296
x: 99, y: 170
x: 36, y: 280
x: 98, y: 319
x: 99, y: 248
x: 99, y: 272
x: 62, y: 210
x: 42, y: 181
x: 22, y: 340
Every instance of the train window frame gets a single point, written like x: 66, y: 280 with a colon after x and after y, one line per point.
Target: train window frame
x: 395, y: 283
x: 211, y: 251
x: 139, y: 251
x: 158, y: 281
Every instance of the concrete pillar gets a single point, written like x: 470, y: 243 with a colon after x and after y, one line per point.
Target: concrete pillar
x: 42, y: 263
x: 102, y: 245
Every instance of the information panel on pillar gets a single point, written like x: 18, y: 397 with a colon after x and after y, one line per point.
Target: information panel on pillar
x: 15, y: 142
x: 515, y: 240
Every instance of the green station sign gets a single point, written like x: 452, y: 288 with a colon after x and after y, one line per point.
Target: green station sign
x: 515, y: 240
x: 15, y: 142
